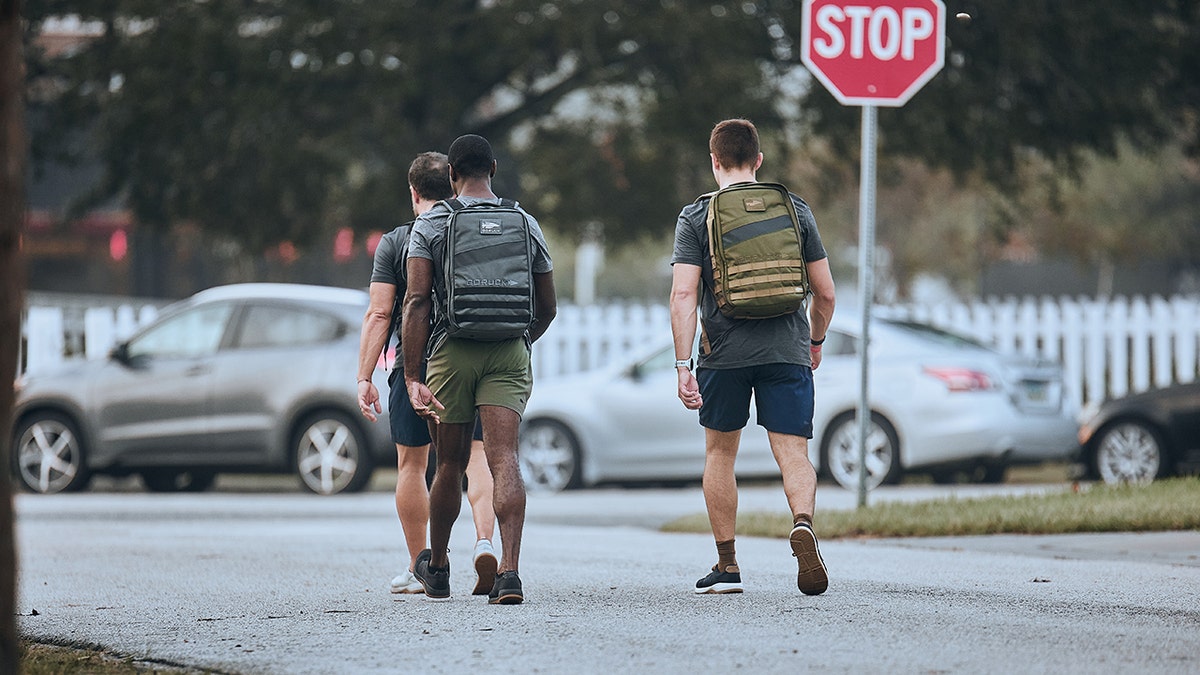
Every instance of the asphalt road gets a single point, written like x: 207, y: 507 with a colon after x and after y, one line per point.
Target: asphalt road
x: 292, y: 583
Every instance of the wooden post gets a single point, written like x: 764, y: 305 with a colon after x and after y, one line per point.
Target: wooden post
x: 12, y: 217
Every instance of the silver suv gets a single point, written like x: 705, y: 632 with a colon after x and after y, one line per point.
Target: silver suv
x: 241, y: 378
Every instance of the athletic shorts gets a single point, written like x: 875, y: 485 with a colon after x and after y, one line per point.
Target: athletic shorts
x: 465, y: 374
x: 783, y: 397
x: 409, y: 428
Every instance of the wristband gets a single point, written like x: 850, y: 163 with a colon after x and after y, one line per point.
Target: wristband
x: 363, y: 379
x: 684, y: 363
x: 817, y: 343
x: 815, y: 348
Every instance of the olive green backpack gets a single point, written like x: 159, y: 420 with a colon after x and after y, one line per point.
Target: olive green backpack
x: 757, y: 251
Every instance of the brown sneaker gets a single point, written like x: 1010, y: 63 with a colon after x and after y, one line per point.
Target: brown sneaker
x: 812, y: 578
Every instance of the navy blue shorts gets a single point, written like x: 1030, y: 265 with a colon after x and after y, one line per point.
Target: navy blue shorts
x: 409, y: 428
x: 783, y: 397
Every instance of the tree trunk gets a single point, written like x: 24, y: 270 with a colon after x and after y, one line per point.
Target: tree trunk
x: 12, y: 216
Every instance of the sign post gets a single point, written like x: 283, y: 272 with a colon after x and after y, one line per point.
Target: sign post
x: 871, y: 53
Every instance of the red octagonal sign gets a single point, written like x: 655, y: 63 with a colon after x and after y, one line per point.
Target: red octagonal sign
x: 873, y: 52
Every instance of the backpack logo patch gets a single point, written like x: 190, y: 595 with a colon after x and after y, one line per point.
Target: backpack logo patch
x: 490, y: 227
x: 754, y: 204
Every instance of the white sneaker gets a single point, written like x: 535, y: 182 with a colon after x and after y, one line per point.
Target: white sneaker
x: 486, y: 565
x: 406, y: 583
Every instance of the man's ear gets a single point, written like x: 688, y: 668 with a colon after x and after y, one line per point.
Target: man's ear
x: 493, y: 172
x: 453, y: 173
x: 715, y: 164
x: 758, y: 162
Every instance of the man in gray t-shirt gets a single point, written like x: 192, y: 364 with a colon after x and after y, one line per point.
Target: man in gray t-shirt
x: 769, y: 359
x: 428, y: 184
x: 468, y: 376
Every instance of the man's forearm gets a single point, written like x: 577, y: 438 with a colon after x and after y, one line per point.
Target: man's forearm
x: 415, y: 335
x: 545, y: 305
x: 374, y: 334
x: 683, y: 328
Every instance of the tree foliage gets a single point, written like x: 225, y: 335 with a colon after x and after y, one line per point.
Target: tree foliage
x: 267, y: 119
x: 274, y: 120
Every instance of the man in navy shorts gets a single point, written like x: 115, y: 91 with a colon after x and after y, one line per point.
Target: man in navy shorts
x: 772, y: 359
x: 429, y: 183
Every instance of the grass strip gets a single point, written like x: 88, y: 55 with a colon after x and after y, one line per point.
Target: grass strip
x: 1172, y: 504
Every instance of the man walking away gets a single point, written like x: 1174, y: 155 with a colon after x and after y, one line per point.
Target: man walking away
x: 771, y: 358
x: 465, y: 375
x: 428, y: 183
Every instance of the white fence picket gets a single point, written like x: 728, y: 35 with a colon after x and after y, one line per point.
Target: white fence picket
x: 1107, y: 348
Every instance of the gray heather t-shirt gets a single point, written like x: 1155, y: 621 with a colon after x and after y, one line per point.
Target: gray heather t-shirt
x: 390, y: 267
x: 428, y: 240
x: 736, y: 343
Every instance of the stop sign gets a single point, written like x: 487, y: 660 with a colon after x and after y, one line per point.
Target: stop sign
x: 873, y: 52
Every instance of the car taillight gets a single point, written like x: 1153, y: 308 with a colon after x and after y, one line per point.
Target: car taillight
x: 961, y: 379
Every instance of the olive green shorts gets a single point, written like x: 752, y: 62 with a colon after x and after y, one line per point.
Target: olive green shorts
x: 464, y: 374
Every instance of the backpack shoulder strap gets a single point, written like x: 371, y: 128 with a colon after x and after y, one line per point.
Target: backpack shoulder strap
x: 453, y: 204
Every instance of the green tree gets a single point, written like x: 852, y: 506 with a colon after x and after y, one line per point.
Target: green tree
x: 268, y: 121
x: 1118, y: 210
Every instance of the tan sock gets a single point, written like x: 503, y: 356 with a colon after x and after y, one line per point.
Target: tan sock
x: 726, y: 558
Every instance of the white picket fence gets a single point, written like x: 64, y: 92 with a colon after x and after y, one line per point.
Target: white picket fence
x: 1107, y: 347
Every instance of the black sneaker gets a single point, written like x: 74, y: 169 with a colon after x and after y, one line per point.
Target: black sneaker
x: 506, y: 590
x: 436, y: 580
x: 811, y: 579
x: 729, y: 581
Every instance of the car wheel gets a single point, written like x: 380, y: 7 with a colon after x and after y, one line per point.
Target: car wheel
x: 550, y: 456
x: 331, y: 454
x: 839, y: 452
x: 990, y: 474
x: 1129, y: 451
x: 173, y: 480
x: 48, y: 454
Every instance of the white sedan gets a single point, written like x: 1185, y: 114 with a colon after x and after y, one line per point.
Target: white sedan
x: 940, y: 403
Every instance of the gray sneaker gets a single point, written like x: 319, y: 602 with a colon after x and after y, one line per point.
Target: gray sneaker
x: 436, y: 580
x: 507, y: 590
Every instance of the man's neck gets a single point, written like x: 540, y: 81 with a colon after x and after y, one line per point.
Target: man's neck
x: 478, y: 189
x: 725, y: 179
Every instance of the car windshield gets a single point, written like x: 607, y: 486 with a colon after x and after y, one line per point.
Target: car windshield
x: 930, y: 333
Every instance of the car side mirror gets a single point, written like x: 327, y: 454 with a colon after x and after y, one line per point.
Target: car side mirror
x: 120, y: 353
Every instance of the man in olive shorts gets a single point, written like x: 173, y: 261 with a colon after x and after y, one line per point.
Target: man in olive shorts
x: 428, y: 183
x: 771, y: 358
x: 465, y: 376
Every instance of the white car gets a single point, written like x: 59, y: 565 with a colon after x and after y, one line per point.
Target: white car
x: 940, y: 403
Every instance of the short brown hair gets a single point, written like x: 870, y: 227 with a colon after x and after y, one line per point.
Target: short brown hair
x: 734, y: 143
x: 429, y: 175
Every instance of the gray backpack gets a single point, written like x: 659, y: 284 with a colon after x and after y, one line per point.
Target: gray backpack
x: 489, y: 271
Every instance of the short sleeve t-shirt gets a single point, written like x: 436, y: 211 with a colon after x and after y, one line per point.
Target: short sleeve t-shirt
x: 389, y: 267
x: 737, y: 343
x: 428, y: 240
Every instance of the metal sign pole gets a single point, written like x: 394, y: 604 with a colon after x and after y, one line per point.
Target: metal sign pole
x: 866, y: 285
